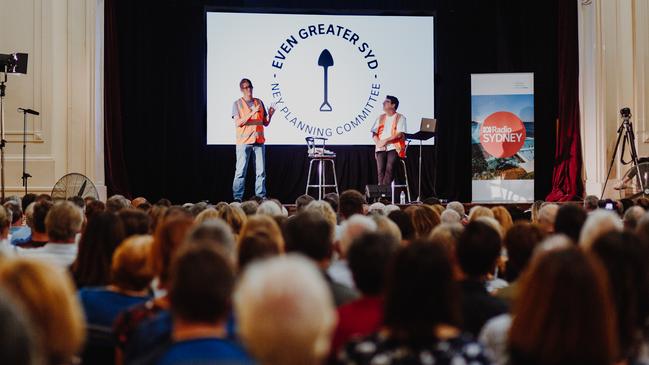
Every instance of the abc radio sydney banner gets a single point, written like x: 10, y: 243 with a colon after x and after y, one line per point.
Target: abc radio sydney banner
x: 502, y: 137
x: 326, y: 75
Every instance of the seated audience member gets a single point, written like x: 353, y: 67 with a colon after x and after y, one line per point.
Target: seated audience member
x: 479, y: 211
x: 564, y: 313
x: 130, y: 279
x: 422, y: 315
x: 625, y: 259
x: 260, y: 238
x: 569, y: 221
x: 520, y: 241
x: 269, y: 208
x: 92, y: 267
x: 447, y: 235
x: 333, y: 199
x: 207, y: 215
x: 324, y: 209
x: 351, y: 202
x: 131, y: 343
x: 14, y: 207
x: 424, y: 219
x: 632, y: 217
x: 135, y: 221
x: 62, y: 223
x: 78, y: 201
x: 93, y: 207
x: 402, y: 220
x: 249, y: 207
x: 438, y: 208
x: 376, y: 208
x: 26, y: 200
x: 116, y: 203
x: 18, y: 345
x: 46, y: 295
x: 457, y: 207
x: 200, y: 311
x: 135, y: 203
x: 352, y: 228
x: 302, y: 201
x: 591, y: 203
x: 34, y: 236
x: 6, y: 249
x: 387, y: 227
x: 215, y: 232
x: 597, y: 224
x: 501, y: 214
x: 368, y: 256
x: 449, y: 216
x: 547, y: 217
x: 310, y: 234
x: 292, y: 289
x: 391, y: 208
x: 233, y: 217
x: 477, y: 250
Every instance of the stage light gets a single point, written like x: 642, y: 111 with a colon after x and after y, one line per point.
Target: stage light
x: 14, y: 63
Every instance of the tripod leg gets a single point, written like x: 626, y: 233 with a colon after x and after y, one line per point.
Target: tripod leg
x: 610, y: 168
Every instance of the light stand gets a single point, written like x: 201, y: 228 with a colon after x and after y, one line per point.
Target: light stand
x: 626, y: 130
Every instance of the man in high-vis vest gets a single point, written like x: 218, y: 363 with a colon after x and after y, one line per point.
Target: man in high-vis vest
x: 250, y: 118
x: 388, y: 133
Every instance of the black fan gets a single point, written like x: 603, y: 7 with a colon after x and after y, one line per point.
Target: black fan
x: 74, y: 184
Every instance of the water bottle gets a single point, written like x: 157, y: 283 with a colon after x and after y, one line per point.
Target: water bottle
x: 402, y: 197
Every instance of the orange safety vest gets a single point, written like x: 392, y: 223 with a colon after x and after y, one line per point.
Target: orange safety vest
x: 400, y: 145
x: 253, y: 130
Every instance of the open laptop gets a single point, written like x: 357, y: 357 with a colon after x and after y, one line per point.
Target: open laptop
x: 428, y: 125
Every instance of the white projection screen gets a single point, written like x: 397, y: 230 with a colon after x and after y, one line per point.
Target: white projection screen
x: 286, y: 56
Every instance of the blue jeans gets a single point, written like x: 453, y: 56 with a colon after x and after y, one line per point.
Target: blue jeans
x: 243, y: 156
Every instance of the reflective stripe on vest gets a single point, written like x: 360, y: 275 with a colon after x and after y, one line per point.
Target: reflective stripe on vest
x: 253, y: 130
x: 400, y: 145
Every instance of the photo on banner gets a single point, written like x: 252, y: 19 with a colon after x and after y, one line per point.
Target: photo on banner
x: 502, y: 137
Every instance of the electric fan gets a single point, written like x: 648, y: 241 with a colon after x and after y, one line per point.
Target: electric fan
x: 634, y: 187
x: 74, y: 184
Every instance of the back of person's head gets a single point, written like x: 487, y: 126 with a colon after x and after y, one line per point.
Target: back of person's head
x: 293, y: 290
x: 333, y: 199
x: 520, y: 241
x: 478, y: 248
x: 352, y: 228
x: 197, y: 208
x: 402, y: 220
x: 249, y: 207
x: 5, y: 221
x: 547, y: 217
x: 564, y: 313
x: 324, y: 209
x: 479, y: 211
x: 78, y: 201
x: 457, y: 207
x: 599, y: 222
x: 129, y: 269
x: 632, y: 216
x: 215, y: 232
x: 63, y: 222
x: 350, y: 202
x: 18, y: 345
x: 302, y: 201
x: 501, y: 214
x: 421, y: 293
x: 269, y: 208
x: 447, y: 234
x: 368, y: 257
x: 255, y: 247
x: 591, y: 202
x: 376, y: 208
x: 386, y: 226
x: 424, y: 219
x: 207, y: 215
x: 309, y: 234
x: 27, y: 200
x: 36, y: 214
x: 116, y: 203
x: 201, y: 284
x: 569, y: 221
x: 98, y: 242
x: 233, y: 216
x: 93, y: 207
x: 450, y: 216
x: 167, y: 239
x: 625, y: 259
x: 135, y: 221
x: 47, y: 296
x: 16, y: 211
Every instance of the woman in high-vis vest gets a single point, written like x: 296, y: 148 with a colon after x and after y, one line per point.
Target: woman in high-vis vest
x: 388, y: 133
x: 250, y: 118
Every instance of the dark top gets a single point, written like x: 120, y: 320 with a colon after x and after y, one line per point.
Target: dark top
x: 381, y: 349
x: 341, y: 294
x: 478, y: 306
x: 205, y: 351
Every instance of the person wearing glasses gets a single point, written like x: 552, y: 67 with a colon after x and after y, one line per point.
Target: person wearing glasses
x: 250, y: 119
x: 388, y: 133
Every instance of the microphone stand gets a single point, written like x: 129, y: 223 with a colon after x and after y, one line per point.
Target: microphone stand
x: 3, y: 142
x: 25, y: 175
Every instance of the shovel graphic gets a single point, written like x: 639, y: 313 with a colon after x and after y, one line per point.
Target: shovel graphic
x: 325, y: 60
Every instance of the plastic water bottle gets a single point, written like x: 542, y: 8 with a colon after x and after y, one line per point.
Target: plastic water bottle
x: 402, y: 197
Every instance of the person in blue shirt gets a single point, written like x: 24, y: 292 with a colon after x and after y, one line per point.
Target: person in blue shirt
x: 130, y: 278
x: 200, y: 291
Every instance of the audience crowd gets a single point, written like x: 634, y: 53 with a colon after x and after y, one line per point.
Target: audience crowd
x: 338, y: 281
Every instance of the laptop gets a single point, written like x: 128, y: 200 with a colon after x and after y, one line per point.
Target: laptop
x: 428, y: 125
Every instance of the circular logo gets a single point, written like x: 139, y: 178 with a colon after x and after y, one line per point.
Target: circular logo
x: 502, y: 134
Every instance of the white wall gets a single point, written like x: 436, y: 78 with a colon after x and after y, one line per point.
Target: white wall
x: 64, y: 39
x: 614, y: 73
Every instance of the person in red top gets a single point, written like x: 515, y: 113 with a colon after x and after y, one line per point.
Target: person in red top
x: 250, y: 119
x: 368, y: 259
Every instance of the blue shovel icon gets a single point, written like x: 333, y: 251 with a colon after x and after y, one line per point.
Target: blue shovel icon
x: 325, y: 60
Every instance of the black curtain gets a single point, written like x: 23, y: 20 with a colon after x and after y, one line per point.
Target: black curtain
x: 155, y: 67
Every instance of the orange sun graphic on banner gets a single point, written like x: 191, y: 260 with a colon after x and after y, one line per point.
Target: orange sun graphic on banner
x: 502, y: 134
